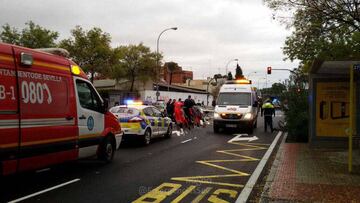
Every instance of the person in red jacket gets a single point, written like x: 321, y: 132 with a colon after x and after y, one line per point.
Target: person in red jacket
x: 179, y: 115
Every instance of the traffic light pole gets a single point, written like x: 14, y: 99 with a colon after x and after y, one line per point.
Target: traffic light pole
x: 291, y: 71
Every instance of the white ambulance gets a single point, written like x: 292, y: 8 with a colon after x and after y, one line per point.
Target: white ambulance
x: 236, y: 106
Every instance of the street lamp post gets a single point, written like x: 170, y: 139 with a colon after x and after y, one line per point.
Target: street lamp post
x: 228, y: 65
x: 207, y: 91
x: 258, y: 85
x: 158, y: 60
x: 248, y: 76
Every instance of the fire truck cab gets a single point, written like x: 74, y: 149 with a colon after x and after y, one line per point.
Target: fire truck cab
x: 49, y: 112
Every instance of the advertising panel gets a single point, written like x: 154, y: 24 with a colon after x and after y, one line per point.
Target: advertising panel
x: 332, y: 109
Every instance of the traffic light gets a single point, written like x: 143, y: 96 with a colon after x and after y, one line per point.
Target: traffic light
x: 269, y: 70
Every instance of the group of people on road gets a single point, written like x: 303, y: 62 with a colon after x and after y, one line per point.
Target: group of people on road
x: 183, y: 113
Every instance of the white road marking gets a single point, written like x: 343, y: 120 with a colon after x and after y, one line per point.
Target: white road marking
x: 185, y: 141
x: 245, y: 193
x: 243, y: 137
x: 44, y: 191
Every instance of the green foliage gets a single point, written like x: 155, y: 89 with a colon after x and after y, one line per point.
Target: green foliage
x: 171, y: 66
x: 217, y: 76
x: 230, y: 76
x: 276, y: 89
x: 90, y: 49
x: 32, y: 36
x: 297, y: 110
x: 323, y: 29
x: 296, y: 117
x: 135, y: 62
x: 239, y: 73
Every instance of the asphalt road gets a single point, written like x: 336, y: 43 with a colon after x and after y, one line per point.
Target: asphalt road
x: 200, y: 166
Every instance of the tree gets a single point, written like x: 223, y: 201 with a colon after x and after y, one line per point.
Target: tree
x: 239, y: 73
x: 32, y: 36
x: 215, y: 91
x: 217, y: 76
x: 136, y: 62
x: 296, y: 113
x: 171, y: 67
x: 324, y: 29
x: 230, y: 76
x: 89, y: 49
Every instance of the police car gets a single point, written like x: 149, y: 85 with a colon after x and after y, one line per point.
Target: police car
x: 142, y: 121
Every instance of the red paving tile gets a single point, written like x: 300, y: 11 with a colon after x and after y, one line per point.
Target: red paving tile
x: 286, y: 186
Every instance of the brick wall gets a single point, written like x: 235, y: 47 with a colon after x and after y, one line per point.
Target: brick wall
x: 178, y: 76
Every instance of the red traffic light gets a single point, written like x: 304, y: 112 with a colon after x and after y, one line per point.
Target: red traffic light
x: 269, y: 70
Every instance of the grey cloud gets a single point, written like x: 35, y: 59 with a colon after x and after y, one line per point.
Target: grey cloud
x: 211, y: 32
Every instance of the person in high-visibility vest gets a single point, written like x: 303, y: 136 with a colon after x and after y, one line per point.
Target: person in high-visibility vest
x: 268, y: 110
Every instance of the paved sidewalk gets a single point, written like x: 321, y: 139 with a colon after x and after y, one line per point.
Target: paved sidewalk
x: 303, y: 174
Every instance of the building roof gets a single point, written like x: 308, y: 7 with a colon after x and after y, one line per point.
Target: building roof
x: 104, y: 83
x: 332, y: 67
x: 178, y: 88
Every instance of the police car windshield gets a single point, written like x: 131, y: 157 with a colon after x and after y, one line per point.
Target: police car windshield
x: 231, y: 98
x: 126, y: 111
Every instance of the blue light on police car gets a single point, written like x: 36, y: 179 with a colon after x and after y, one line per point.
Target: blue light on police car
x: 132, y: 102
x: 129, y: 101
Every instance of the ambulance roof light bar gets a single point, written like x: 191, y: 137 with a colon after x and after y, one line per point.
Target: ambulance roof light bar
x: 239, y: 81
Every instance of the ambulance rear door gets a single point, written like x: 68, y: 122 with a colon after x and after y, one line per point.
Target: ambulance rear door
x: 9, y: 112
x: 47, y: 109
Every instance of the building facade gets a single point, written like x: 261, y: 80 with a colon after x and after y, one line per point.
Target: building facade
x: 177, y: 75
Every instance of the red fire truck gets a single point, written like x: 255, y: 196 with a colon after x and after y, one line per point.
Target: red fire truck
x: 49, y: 112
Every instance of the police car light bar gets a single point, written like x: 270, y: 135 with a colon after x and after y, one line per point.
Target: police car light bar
x: 132, y: 102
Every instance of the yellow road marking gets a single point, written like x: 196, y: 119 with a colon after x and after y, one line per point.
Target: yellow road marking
x: 202, y: 195
x: 165, y: 190
x: 205, y: 179
x: 211, y: 163
x: 214, y: 199
x: 222, y: 167
x: 230, y: 152
x: 158, y: 194
x: 184, y: 194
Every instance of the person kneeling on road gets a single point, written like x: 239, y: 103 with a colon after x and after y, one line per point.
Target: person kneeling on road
x: 268, y: 111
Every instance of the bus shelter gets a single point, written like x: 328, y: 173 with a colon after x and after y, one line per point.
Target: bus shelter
x: 333, y: 101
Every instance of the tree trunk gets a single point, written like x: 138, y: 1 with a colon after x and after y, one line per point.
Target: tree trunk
x: 92, y: 77
x: 132, y: 84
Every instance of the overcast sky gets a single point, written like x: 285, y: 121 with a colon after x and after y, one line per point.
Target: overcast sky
x: 210, y: 32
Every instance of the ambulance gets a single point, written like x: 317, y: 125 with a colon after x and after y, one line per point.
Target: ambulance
x: 236, y: 106
x: 49, y: 112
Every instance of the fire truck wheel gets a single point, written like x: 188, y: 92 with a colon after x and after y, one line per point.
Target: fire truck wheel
x: 107, y: 150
